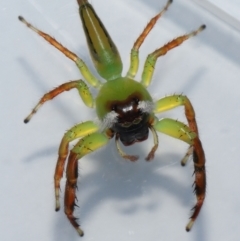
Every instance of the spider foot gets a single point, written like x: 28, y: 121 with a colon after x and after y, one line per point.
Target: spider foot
x: 57, y: 202
x: 73, y: 221
x: 187, y: 155
x: 80, y: 231
x: 57, y: 208
x: 189, y: 225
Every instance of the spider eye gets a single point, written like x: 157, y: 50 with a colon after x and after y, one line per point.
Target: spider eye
x: 137, y: 121
x: 114, y: 107
x: 135, y: 100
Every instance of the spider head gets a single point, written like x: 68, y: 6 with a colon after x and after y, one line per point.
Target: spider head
x: 131, y: 119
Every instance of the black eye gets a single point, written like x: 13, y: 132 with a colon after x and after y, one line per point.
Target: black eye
x: 114, y: 107
x: 135, y: 100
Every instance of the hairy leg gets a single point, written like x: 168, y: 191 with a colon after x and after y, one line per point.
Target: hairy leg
x: 152, y: 58
x: 89, y: 77
x: 85, y: 146
x: 195, y: 149
x: 134, y: 57
x: 80, y: 85
x: 78, y: 131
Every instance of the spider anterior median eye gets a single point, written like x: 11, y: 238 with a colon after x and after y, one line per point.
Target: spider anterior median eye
x: 127, y: 124
x: 136, y: 100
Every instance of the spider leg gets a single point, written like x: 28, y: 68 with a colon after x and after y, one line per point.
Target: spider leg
x: 152, y: 58
x: 85, y: 146
x: 196, y: 148
x: 80, y: 85
x: 173, y: 101
x: 75, y: 132
x: 187, y: 155
x: 91, y: 79
x: 175, y: 129
x: 134, y: 57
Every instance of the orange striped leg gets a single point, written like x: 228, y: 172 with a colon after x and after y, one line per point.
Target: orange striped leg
x: 199, y: 163
x: 74, y: 133
x: 134, y: 52
x: 78, y: 84
x: 62, y: 155
x: 200, y: 180
x: 51, y: 40
x: 85, y: 146
x: 88, y: 76
x: 70, y: 189
x: 152, y: 58
x: 195, y: 149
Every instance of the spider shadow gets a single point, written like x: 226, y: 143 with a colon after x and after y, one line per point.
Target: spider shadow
x: 49, y: 151
x: 111, y: 182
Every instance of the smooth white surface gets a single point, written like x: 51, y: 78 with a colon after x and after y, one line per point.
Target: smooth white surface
x: 118, y: 200
x: 231, y: 7
x: 227, y: 11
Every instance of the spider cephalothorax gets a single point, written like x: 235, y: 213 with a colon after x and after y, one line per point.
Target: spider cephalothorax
x: 124, y: 107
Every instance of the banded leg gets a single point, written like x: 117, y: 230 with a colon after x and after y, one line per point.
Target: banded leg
x: 80, y: 85
x: 134, y: 58
x: 85, y: 146
x: 75, y: 132
x: 196, y: 148
x: 152, y: 58
x: 89, y: 77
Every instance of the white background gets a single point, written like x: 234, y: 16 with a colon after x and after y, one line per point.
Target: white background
x: 118, y: 200
x: 230, y: 7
